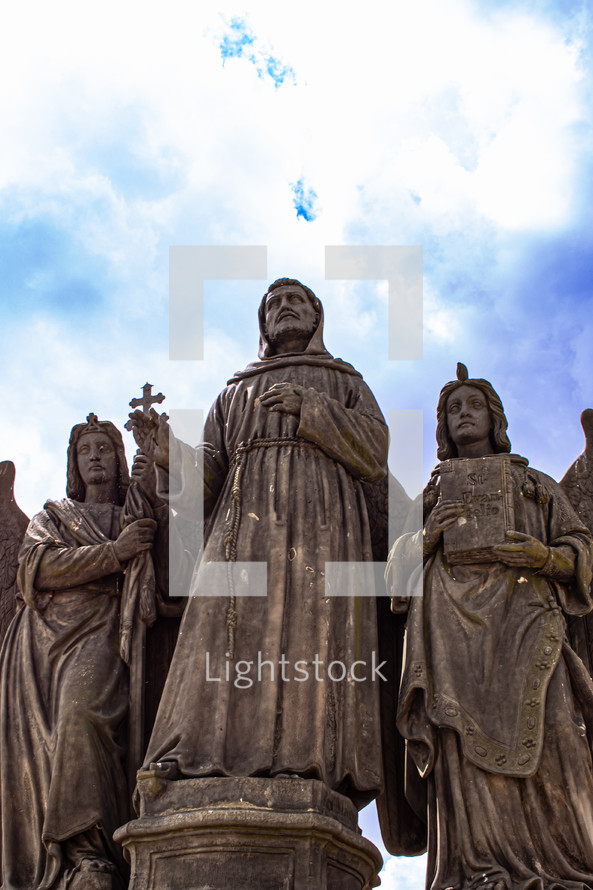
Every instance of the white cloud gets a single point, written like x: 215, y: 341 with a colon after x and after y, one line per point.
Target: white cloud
x: 379, y: 96
x: 425, y: 122
x: 404, y: 873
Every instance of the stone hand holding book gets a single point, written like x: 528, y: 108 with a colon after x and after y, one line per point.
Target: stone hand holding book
x: 484, y: 487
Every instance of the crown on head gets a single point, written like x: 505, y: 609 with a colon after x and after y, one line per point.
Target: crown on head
x: 92, y: 425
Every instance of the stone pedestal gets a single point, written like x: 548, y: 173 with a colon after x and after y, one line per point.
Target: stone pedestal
x: 246, y: 834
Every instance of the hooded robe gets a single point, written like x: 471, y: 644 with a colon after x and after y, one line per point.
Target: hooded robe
x: 497, y: 709
x: 284, y: 491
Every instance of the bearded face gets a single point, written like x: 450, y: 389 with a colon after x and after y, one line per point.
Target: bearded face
x: 290, y: 317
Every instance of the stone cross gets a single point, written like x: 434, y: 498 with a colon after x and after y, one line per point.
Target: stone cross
x: 136, y: 740
x: 147, y: 399
x: 145, y: 402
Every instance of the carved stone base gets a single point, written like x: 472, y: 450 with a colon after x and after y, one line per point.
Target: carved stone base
x: 246, y: 834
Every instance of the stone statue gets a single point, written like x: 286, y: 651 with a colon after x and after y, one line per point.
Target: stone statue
x: 63, y: 683
x: 495, y: 705
x: 287, y: 446
x: 13, y: 524
x: 577, y: 482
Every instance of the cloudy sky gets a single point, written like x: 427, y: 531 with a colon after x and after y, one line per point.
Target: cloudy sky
x: 463, y: 128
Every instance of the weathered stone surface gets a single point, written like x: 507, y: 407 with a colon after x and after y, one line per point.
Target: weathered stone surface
x: 496, y: 708
x: 63, y: 682
x: 246, y: 834
x: 289, y: 446
x: 577, y: 482
x: 13, y: 524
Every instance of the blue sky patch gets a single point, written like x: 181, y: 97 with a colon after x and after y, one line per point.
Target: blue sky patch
x: 304, y: 200
x: 240, y: 43
x: 45, y: 269
x: 120, y: 147
x: 133, y: 174
x: 237, y: 42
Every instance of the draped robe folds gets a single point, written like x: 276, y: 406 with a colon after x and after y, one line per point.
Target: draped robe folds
x: 497, y: 710
x: 302, y: 505
x: 64, y: 694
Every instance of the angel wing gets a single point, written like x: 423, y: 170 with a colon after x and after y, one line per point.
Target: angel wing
x: 13, y: 524
x: 577, y: 483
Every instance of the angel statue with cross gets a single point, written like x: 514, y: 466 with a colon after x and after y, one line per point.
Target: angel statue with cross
x: 64, y: 678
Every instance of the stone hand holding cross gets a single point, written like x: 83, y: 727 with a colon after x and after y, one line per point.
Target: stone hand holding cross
x: 151, y: 432
x: 143, y: 474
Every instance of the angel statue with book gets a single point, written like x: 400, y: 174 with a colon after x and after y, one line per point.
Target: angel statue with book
x: 495, y: 706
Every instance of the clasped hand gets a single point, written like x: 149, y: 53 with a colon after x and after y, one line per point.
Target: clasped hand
x: 284, y: 397
x: 135, y: 538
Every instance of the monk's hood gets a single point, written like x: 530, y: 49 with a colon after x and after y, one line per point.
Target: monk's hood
x: 315, y: 354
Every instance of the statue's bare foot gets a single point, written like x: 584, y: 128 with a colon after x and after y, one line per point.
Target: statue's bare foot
x: 97, y: 865
x: 163, y: 769
x: 154, y: 781
x: 496, y: 884
x: 95, y: 874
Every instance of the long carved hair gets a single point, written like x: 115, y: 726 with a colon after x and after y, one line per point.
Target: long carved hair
x: 75, y: 488
x: 498, y: 433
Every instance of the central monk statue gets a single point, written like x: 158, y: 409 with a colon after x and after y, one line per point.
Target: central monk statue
x: 285, y: 683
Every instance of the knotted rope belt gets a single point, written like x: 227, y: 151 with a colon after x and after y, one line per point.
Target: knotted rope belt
x: 231, y: 536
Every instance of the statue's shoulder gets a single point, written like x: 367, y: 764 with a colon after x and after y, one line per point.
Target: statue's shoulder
x: 63, y: 505
x: 60, y: 512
